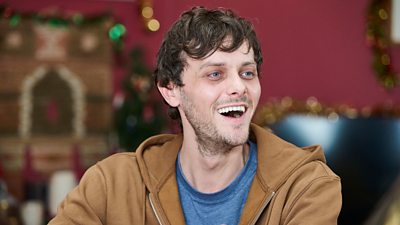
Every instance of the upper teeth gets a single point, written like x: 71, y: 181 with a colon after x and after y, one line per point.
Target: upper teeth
x: 231, y: 108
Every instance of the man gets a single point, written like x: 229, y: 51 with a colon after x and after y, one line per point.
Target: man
x: 222, y: 169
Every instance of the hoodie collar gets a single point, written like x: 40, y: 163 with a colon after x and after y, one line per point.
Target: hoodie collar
x: 277, y: 160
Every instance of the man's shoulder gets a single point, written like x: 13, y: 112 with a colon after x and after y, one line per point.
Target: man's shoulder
x: 156, y: 155
x: 119, y: 157
x: 152, y: 143
x: 125, y: 161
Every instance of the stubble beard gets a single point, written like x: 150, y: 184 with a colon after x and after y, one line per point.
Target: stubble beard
x: 209, y: 140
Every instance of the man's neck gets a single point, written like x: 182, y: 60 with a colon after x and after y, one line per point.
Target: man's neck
x: 212, y: 173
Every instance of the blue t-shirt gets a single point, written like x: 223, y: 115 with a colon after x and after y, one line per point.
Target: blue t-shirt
x: 222, y: 207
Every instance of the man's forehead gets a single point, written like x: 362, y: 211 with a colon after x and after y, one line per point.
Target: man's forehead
x: 219, y: 54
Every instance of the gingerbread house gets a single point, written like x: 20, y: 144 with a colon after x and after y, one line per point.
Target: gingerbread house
x: 55, y: 95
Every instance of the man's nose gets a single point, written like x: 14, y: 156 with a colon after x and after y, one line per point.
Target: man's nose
x: 236, y: 85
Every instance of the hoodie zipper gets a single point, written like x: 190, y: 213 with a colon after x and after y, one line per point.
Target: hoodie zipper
x: 267, y: 201
x: 154, y: 209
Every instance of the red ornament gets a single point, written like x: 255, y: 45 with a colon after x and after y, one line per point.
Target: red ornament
x: 7, y: 13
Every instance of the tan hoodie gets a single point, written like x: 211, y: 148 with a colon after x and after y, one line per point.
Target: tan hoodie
x: 292, y: 186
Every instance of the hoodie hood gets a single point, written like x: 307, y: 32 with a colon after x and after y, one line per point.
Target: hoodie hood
x: 156, y: 158
x: 281, y: 158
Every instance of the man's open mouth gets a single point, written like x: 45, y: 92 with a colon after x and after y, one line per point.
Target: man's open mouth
x: 232, y: 111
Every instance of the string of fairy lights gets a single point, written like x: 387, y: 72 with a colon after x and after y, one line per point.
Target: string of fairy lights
x: 276, y: 109
x: 147, y: 14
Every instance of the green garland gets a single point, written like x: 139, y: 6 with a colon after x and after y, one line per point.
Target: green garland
x: 379, y: 42
x: 116, y: 31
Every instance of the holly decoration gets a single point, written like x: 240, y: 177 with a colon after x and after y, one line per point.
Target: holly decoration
x: 379, y: 42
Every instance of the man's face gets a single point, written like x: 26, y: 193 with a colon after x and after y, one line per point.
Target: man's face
x: 219, y: 97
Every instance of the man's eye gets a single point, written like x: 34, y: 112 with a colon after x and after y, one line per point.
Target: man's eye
x: 214, y: 75
x: 248, y: 75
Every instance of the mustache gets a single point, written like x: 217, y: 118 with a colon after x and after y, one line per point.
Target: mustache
x: 242, y: 99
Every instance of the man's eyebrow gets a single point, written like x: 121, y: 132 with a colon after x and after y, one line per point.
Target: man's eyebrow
x: 249, y: 63
x: 207, y: 64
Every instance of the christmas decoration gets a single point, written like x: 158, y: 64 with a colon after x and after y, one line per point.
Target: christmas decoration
x: 51, y: 43
x: 378, y: 40
x: 146, y: 11
x: 13, y: 40
x: 55, y: 19
x: 138, y: 114
x: 35, y: 187
x: 89, y: 42
x: 276, y: 109
x: 116, y: 33
x: 9, y: 209
x: 26, y: 101
x: 60, y: 97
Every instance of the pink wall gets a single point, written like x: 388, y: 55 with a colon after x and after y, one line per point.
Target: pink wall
x: 311, y: 48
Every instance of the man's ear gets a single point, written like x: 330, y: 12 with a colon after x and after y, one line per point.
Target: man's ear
x: 170, y: 94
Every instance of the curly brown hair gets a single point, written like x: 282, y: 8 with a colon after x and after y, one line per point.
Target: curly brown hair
x: 198, y: 33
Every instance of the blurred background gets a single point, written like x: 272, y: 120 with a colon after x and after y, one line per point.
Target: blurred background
x: 76, y: 87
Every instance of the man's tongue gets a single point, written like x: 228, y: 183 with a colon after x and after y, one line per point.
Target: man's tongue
x: 234, y: 114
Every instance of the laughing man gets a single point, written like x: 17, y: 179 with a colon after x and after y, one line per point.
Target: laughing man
x: 222, y: 169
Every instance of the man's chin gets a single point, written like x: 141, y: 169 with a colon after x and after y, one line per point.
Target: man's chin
x: 238, y: 138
